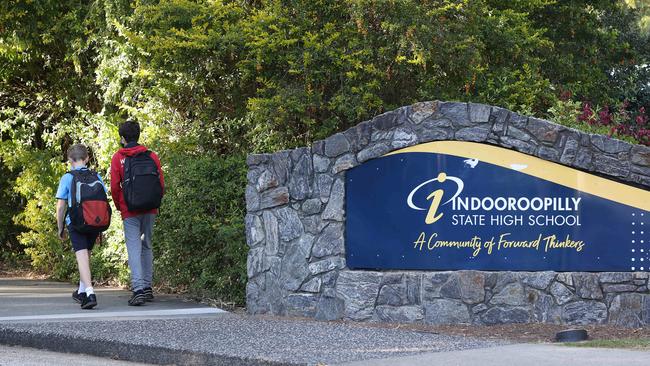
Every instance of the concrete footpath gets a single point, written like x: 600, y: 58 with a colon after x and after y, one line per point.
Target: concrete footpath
x: 34, y: 300
x: 521, y: 354
x: 41, y: 315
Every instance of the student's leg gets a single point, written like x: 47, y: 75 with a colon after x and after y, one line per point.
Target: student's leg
x: 132, y: 234
x: 82, y: 244
x: 82, y: 285
x: 147, y: 253
x: 83, y: 263
x: 89, y: 245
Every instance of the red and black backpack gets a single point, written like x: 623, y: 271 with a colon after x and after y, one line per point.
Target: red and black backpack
x: 90, y: 211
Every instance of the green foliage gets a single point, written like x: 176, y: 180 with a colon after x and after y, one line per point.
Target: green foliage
x: 212, y: 80
x: 565, y: 112
x: 10, y: 205
x: 199, y: 240
x: 322, y: 66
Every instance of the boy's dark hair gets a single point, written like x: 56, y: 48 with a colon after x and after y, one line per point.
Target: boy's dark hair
x: 130, y: 130
x: 78, y: 152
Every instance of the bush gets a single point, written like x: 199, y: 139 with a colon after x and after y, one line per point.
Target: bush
x: 199, y: 241
x: 621, y: 122
x: 10, y: 205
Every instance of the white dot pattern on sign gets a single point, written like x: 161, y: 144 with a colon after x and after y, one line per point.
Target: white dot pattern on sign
x: 639, y: 249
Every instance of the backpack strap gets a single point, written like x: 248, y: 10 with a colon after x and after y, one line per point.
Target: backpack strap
x: 73, y: 186
x: 76, y: 174
x: 127, y: 170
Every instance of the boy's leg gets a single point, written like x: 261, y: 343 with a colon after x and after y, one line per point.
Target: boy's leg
x: 82, y: 285
x: 147, y: 253
x: 82, y: 245
x: 83, y: 263
x: 132, y: 235
x: 90, y: 244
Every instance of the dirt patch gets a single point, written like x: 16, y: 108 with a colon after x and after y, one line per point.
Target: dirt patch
x: 531, y: 333
x: 20, y: 270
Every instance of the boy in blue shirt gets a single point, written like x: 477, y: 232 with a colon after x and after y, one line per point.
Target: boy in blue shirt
x: 82, y: 243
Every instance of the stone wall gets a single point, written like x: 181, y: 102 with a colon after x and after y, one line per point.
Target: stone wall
x: 295, y: 222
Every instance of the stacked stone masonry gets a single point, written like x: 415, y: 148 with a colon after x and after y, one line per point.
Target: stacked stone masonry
x: 296, y: 219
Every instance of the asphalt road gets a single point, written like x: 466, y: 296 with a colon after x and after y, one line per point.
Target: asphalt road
x: 21, y: 356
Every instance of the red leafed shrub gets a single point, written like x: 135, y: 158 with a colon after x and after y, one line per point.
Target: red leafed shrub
x: 622, y: 120
x: 588, y: 115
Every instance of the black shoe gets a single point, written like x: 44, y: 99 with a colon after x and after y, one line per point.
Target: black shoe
x: 89, y: 302
x: 78, y: 297
x: 148, y: 294
x: 137, y: 299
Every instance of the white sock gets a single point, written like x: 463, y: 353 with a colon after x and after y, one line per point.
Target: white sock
x: 82, y: 287
x: 90, y: 291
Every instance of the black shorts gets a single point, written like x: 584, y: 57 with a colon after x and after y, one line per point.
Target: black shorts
x: 81, y: 241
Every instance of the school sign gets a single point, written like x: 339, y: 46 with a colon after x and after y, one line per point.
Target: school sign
x: 461, y: 205
x: 447, y: 212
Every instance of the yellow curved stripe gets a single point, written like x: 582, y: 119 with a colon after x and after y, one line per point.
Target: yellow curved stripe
x: 539, y: 168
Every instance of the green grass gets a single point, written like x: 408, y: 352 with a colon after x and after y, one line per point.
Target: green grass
x: 636, y: 344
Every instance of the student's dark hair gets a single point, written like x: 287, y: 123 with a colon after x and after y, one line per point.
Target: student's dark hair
x: 130, y: 130
x: 78, y: 152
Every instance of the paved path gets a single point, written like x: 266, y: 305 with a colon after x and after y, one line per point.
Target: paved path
x: 41, y: 314
x: 230, y: 339
x: 21, y: 356
x: 31, y: 300
x: 521, y: 354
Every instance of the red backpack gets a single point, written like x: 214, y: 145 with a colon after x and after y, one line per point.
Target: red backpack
x: 90, y: 211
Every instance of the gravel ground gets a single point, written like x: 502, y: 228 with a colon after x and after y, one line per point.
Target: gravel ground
x: 244, y: 337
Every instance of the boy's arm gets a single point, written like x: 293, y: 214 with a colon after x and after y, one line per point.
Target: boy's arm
x: 116, y: 178
x: 61, y: 206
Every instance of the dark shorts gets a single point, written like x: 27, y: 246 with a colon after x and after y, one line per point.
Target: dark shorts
x: 81, y: 241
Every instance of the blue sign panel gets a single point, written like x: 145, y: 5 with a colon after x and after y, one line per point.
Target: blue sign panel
x: 460, y: 205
